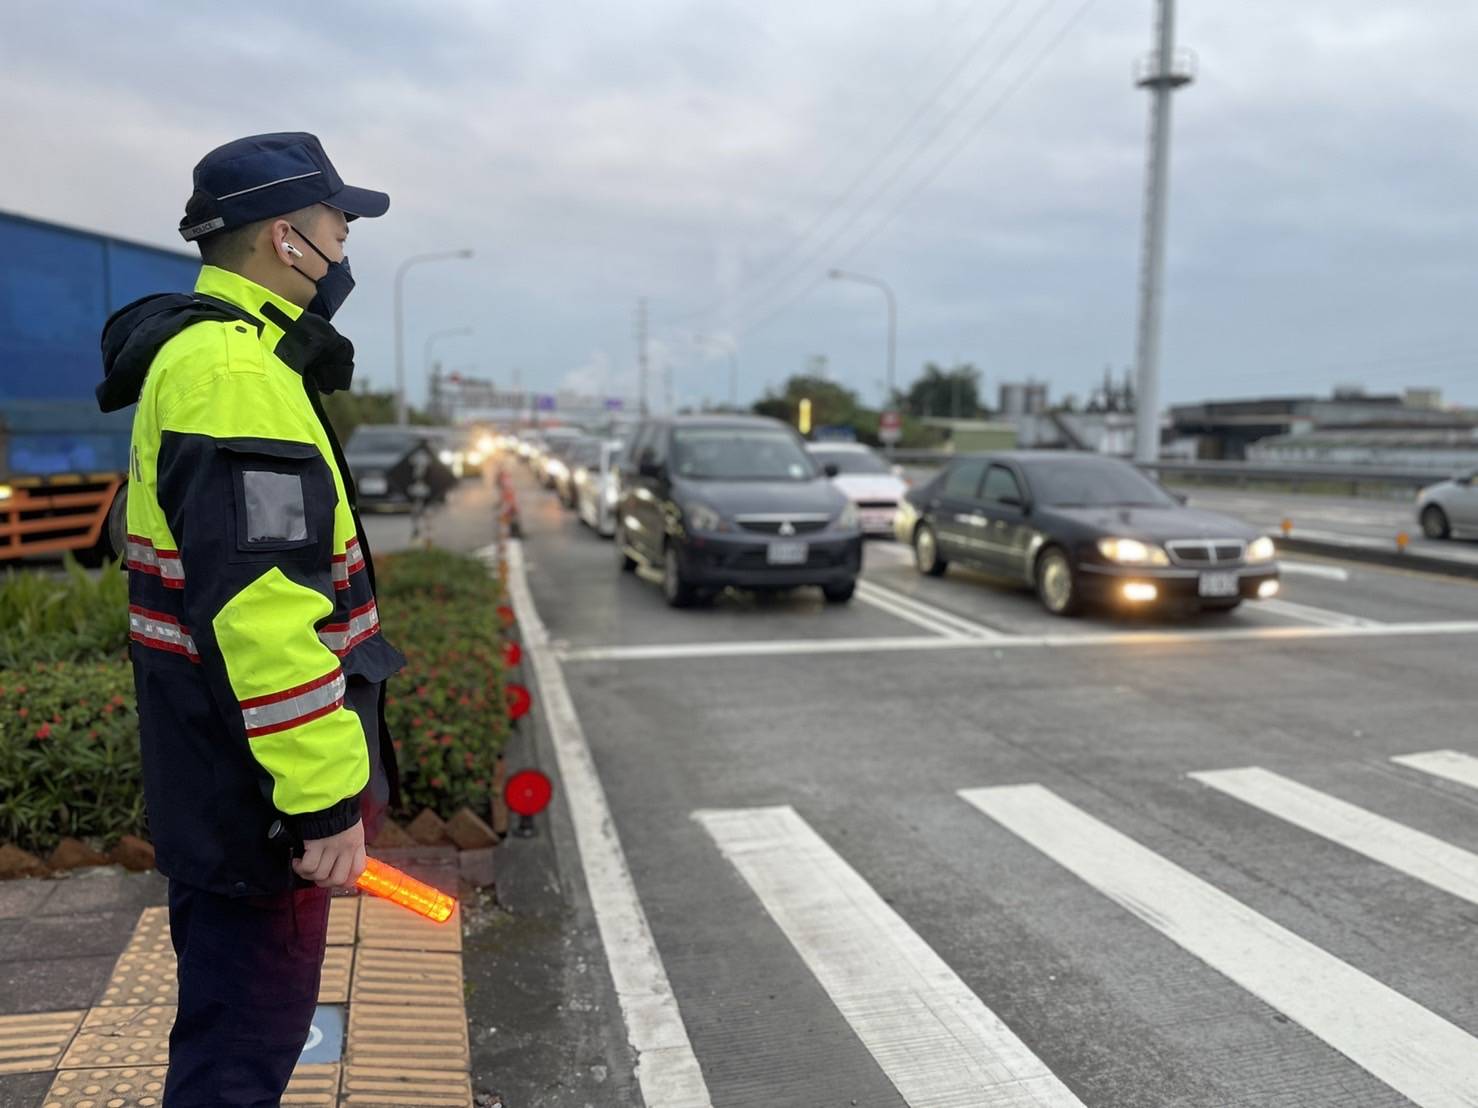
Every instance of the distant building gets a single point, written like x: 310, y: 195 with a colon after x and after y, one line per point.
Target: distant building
x: 1441, y: 450
x: 1021, y: 398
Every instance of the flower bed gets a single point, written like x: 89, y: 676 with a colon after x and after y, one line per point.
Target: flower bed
x: 69, y: 761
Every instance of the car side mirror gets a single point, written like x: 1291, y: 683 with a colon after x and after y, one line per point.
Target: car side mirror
x: 831, y: 469
x: 651, y: 469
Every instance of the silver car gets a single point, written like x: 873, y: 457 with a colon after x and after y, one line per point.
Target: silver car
x: 1449, y: 509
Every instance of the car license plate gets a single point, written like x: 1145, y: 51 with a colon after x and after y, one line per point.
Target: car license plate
x: 788, y: 553
x: 1220, y: 584
x: 880, y: 520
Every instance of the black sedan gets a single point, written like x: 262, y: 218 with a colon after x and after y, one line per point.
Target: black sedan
x: 718, y: 501
x: 1084, y: 529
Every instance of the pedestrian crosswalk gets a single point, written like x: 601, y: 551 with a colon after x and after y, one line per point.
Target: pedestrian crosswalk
x: 941, y: 1044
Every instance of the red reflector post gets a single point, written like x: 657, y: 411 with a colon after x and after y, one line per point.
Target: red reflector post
x: 519, y: 701
x: 512, y: 654
x: 528, y: 792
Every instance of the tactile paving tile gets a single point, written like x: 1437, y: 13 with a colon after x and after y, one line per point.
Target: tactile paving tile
x: 128, y: 1035
x: 403, y: 1039
x: 384, y: 924
x: 385, y: 976
x: 343, y: 920
x: 151, y: 933
x: 125, y: 1087
x: 381, y: 1086
x: 141, y: 977
x: 333, y: 987
x: 33, y: 1043
x: 313, y: 1086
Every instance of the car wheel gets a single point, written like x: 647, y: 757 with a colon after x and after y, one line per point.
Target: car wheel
x: 679, y: 593
x: 839, y: 594
x: 926, y: 552
x: 623, y: 559
x: 1434, y: 522
x: 1057, y: 587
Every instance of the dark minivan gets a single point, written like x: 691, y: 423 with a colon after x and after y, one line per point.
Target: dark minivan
x: 719, y: 501
x: 1081, y: 529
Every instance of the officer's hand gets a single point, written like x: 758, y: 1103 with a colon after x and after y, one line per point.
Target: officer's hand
x: 336, y: 861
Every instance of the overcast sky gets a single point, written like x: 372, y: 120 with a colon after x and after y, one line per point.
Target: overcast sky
x: 985, y: 157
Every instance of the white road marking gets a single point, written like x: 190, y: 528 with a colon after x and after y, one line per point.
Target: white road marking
x: 1125, y: 639
x: 666, y: 1067
x: 878, y: 594
x: 1415, y: 1051
x: 1322, y: 617
x: 1403, y: 848
x: 937, y: 1042
x: 1451, y: 764
x: 885, y: 551
x: 900, y: 611
x: 1313, y: 569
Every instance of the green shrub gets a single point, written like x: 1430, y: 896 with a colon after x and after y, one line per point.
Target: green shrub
x: 45, y: 618
x: 446, y: 709
x: 69, y: 753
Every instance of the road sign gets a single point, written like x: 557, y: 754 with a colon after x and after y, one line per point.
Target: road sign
x: 890, y: 427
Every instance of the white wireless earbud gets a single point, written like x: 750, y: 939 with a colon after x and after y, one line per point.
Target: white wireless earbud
x: 289, y: 248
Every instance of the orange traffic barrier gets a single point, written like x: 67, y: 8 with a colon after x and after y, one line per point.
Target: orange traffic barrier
x: 381, y: 880
x: 1287, y: 527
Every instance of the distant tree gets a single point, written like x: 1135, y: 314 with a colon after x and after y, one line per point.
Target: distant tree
x: 347, y: 410
x: 831, y: 404
x: 944, y: 392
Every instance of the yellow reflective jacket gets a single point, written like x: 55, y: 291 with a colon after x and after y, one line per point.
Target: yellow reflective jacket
x: 256, y: 642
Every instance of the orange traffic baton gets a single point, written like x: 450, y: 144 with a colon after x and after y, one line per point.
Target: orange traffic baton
x: 379, y: 879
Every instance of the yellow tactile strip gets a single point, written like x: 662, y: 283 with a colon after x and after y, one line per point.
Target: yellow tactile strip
x: 127, y: 1035
x: 343, y: 920
x: 385, y: 976
x: 120, y: 1087
x: 382, y: 1086
x: 151, y: 934
x: 400, y: 1038
x: 333, y: 988
x: 384, y: 924
x: 141, y: 977
x: 313, y: 1086
x: 34, y: 1043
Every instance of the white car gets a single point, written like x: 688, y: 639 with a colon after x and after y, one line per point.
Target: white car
x: 1449, y: 509
x: 597, y: 489
x: 865, y: 476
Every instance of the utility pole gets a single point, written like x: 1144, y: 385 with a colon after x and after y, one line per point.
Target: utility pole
x: 1162, y: 74
x: 641, y: 353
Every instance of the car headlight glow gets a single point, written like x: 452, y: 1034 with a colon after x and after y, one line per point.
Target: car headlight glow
x: 446, y: 457
x: 1132, y: 552
x: 849, y: 520
x: 703, y: 518
x: 1261, y: 550
x: 610, y: 493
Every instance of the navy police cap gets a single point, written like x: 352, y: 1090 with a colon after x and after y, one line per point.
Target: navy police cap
x: 263, y: 176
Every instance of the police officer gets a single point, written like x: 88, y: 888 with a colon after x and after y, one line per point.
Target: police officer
x: 256, y: 644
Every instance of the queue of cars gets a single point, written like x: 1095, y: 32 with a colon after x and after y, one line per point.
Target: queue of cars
x: 712, y: 502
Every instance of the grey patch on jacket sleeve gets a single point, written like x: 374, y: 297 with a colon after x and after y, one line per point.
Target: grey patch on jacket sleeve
x: 274, y: 507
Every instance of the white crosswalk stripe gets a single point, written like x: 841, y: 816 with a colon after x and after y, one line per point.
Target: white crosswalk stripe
x: 1424, y: 1057
x: 935, y: 1039
x: 1450, y: 764
x: 1403, y: 848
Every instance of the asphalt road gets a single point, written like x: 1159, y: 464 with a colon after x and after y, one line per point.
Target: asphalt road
x: 839, y: 925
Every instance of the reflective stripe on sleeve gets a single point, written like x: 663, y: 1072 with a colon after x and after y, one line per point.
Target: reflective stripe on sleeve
x: 293, y: 707
x: 364, y: 621
x: 160, y: 631
x: 347, y: 563
x: 143, y: 557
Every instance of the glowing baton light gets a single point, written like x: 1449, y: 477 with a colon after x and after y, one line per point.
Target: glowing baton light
x: 381, y: 880
x: 386, y: 882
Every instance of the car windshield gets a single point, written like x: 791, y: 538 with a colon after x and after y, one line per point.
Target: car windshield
x: 381, y: 440
x: 740, y: 454
x: 1078, y: 484
x: 852, y: 461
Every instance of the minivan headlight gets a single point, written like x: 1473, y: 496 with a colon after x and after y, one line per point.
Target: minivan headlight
x: 1261, y: 550
x: 1132, y: 552
x: 703, y: 518
x: 848, y: 520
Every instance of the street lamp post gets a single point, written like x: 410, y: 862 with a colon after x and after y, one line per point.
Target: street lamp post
x: 843, y: 275
x: 400, y: 320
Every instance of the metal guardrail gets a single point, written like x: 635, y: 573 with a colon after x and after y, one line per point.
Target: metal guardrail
x: 1355, y: 478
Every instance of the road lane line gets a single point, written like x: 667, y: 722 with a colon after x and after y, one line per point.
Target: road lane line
x: 1126, y: 639
x: 967, y: 627
x: 1322, y: 617
x: 934, y: 1038
x: 1415, y: 1051
x: 1451, y: 764
x: 1313, y: 569
x: 1403, y: 848
x: 904, y: 612
x: 666, y: 1068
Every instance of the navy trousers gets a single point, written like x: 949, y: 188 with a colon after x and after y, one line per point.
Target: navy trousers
x: 249, y: 970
